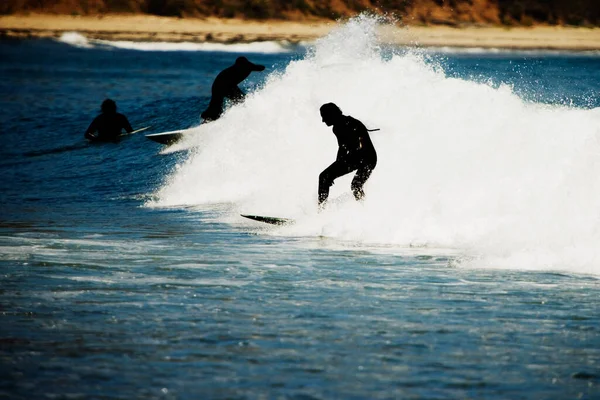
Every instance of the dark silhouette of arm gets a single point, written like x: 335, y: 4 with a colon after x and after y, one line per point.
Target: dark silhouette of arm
x: 351, y: 138
x: 125, y: 124
x: 236, y: 95
x: 93, y: 127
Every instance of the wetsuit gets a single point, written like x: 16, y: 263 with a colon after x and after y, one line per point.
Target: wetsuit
x: 225, y: 86
x: 108, y: 126
x: 356, y: 152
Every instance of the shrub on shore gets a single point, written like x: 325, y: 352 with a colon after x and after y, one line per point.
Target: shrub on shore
x: 434, y: 12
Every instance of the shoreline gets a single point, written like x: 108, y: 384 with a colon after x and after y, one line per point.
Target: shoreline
x: 147, y: 28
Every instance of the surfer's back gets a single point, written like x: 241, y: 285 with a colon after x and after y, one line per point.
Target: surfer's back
x: 109, y: 125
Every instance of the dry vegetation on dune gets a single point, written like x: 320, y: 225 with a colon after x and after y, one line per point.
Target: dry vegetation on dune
x: 411, y: 12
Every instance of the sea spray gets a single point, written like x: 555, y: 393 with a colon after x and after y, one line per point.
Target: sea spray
x: 462, y: 165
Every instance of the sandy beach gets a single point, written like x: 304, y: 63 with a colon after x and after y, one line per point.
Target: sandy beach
x: 164, y: 29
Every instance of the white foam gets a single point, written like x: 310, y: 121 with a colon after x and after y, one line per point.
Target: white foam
x: 266, y: 47
x: 462, y: 165
x: 75, y: 39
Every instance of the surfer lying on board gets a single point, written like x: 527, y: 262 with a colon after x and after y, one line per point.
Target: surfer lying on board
x: 108, y: 124
x: 226, y: 86
x: 355, y: 152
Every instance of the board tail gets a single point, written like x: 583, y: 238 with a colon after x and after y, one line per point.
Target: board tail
x: 166, y: 137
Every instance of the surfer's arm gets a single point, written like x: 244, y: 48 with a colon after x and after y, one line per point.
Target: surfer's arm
x: 358, y: 130
x: 127, y: 125
x: 236, y: 95
x: 361, y: 139
x: 92, y: 128
x: 362, y: 132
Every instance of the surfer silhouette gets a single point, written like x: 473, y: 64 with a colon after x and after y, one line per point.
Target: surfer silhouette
x: 355, y: 153
x: 226, y: 86
x: 107, y: 126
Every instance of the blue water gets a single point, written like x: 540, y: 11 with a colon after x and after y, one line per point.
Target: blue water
x: 119, y: 282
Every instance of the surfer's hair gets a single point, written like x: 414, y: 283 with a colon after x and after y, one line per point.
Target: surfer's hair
x: 109, y: 106
x: 330, y: 109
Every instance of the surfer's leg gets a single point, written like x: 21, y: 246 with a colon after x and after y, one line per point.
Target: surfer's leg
x: 362, y: 174
x: 235, y: 95
x: 327, y: 177
x: 214, y: 110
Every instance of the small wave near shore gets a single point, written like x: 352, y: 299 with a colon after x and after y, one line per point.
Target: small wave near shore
x: 79, y: 40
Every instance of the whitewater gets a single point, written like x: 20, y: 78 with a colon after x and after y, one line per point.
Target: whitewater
x: 465, y: 166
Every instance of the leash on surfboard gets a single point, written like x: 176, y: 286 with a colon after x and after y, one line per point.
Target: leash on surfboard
x: 373, y: 130
x: 139, y: 130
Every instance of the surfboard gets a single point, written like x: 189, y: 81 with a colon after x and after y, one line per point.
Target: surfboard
x: 91, y: 140
x: 167, y: 137
x: 94, y: 139
x: 136, y: 131
x: 171, y: 137
x: 270, y: 220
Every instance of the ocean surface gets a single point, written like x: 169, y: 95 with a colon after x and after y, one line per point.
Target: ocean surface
x: 470, y: 271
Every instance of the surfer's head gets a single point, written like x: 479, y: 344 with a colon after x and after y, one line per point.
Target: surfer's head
x: 243, y: 62
x: 330, y: 113
x: 109, y: 106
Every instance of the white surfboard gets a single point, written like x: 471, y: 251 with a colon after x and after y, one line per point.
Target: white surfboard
x: 171, y: 137
x: 167, y: 137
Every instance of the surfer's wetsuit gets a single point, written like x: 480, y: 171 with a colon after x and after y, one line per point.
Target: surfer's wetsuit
x: 356, y: 152
x: 225, y: 86
x: 109, y: 126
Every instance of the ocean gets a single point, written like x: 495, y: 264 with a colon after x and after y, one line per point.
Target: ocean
x: 470, y: 270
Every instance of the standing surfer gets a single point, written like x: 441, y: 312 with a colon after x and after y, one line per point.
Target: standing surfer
x: 226, y: 86
x: 108, y: 125
x: 355, y: 152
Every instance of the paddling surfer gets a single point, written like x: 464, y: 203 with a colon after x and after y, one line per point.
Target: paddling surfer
x: 355, y: 153
x: 226, y: 86
x: 107, y: 126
